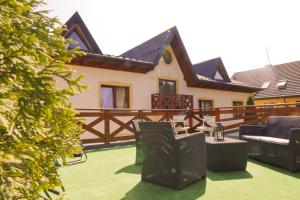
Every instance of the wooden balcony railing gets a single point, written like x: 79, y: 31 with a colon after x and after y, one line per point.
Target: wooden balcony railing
x: 165, y: 101
x: 105, y: 126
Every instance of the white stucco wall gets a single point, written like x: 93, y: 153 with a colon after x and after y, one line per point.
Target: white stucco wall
x: 141, y: 86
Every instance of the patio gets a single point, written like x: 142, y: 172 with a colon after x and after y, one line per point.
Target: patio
x: 110, y: 173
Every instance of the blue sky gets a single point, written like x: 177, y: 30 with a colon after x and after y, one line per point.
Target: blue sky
x: 237, y: 31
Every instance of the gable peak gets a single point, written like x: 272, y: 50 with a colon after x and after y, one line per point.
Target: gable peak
x: 78, y: 31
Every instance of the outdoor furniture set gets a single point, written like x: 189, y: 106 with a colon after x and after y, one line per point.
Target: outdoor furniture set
x: 176, y: 160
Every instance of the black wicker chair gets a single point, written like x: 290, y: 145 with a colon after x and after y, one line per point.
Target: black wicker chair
x: 171, y: 161
x: 277, y: 142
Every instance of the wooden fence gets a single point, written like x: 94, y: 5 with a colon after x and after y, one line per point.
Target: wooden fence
x: 105, y: 126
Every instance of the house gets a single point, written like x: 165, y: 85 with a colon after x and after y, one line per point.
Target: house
x: 280, y: 83
x: 155, y: 74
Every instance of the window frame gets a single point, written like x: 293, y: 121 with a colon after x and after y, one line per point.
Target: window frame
x: 266, y: 85
x: 282, y: 84
x: 200, y: 108
x: 237, y: 115
x: 167, y: 80
x: 127, y: 98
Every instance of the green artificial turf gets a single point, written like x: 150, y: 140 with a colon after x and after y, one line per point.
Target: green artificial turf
x: 111, y: 174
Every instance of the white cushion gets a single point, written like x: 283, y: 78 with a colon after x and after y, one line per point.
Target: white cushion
x: 275, y: 140
x: 267, y: 139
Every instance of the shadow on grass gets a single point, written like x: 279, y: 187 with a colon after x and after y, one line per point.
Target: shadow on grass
x: 275, y: 168
x: 148, y: 191
x: 110, y: 148
x: 131, y: 169
x: 222, y: 176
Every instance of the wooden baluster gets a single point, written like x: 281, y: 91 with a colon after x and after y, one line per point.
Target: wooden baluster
x: 106, y: 126
x: 190, y: 116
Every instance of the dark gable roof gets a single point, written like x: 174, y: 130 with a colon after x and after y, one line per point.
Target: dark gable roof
x: 210, y: 67
x: 198, y: 75
x: 288, y: 71
x: 151, y: 49
x: 75, y: 23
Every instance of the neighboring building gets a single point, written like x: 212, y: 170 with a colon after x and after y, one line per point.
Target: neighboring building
x: 280, y: 83
x: 155, y: 74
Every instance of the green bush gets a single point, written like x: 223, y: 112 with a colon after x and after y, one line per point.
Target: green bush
x: 250, y: 101
x: 251, y: 115
x: 37, y: 122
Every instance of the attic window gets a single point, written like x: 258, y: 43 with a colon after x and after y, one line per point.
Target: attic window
x: 167, y: 57
x: 281, y: 84
x: 80, y: 44
x: 265, y: 85
x: 218, y: 76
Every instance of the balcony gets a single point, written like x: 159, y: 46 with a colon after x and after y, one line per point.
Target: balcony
x: 166, y: 101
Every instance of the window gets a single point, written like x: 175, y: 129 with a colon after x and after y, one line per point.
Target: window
x: 114, y: 97
x: 265, y: 85
x: 237, y: 106
x: 80, y: 43
x: 167, y: 87
x: 205, y: 105
x: 218, y: 76
x: 281, y: 84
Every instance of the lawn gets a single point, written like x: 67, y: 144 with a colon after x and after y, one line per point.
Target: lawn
x: 110, y: 174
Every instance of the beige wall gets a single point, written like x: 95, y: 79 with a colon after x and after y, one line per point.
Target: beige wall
x: 141, y: 86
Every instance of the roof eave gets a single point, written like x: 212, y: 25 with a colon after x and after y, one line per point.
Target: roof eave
x: 224, y: 86
x: 113, y: 63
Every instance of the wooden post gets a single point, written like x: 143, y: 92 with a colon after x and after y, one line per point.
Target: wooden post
x: 190, y: 114
x: 168, y: 117
x: 217, y: 114
x: 140, y: 115
x: 106, y: 126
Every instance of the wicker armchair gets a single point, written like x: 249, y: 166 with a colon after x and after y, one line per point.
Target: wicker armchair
x: 277, y: 142
x: 171, y: 161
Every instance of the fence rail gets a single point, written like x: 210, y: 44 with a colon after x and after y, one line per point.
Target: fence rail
x: 111, y: 125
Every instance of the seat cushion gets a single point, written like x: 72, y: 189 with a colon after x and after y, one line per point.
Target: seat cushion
x: 275, y: 140
x: 251, y: 137
x: 266, y: 139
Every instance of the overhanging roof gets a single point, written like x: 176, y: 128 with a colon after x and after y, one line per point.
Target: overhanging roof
x: 113, y: 63
x: 273, y: 74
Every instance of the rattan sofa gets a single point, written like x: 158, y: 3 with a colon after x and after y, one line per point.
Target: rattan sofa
x: 173, y: 161
x: 276, y: 142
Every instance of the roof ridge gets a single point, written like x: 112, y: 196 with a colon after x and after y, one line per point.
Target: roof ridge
x: 208, y: 60
x: 274, y: 66
x: 287, y: 63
